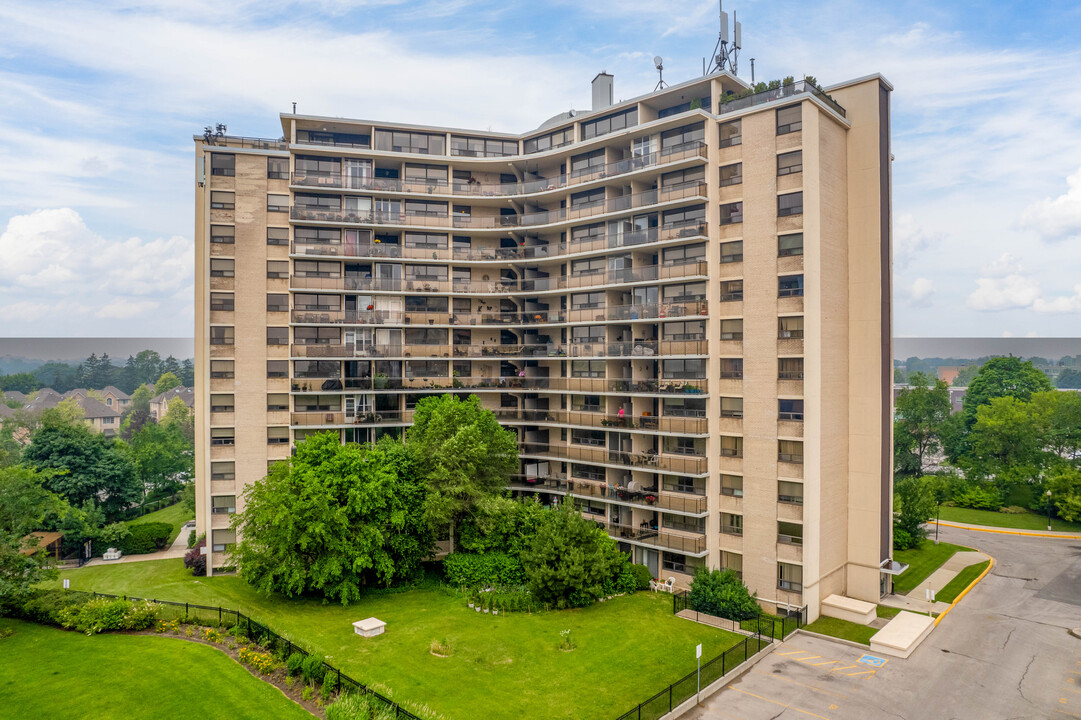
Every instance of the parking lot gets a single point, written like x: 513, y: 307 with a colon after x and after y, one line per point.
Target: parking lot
x: 1003, y: 652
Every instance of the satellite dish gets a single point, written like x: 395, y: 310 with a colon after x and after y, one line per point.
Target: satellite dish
x: 657, y: 62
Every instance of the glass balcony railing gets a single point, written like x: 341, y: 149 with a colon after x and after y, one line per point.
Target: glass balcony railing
x: 330, y: 383
x: 799, y: 87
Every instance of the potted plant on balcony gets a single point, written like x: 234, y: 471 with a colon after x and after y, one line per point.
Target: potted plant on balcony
x: 650, y: 499
x: 379, y: 381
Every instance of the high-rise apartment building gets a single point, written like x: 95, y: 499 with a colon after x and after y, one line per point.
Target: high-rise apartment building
x: 680, y: 302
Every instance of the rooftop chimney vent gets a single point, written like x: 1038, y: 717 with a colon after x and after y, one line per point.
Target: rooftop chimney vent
x: 602, y: 91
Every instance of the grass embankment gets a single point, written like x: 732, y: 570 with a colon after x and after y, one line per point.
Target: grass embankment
x: 1018, y: 521
x: 846, y: 630
x: 922, y: 561
x: 50, y: 673
x: 954, y: 587
x: 175, y: 514
x: 508, y: 666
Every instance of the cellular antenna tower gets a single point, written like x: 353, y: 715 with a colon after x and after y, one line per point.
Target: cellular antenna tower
x: 726, y: 54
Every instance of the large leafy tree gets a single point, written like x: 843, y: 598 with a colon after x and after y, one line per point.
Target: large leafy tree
x: 1057, y: 416
x: 462, y: 453
x: 920, y: 411
x: 167, y: 381
x: 914, y: 502
x: 1002, y: 377
x: 180, y: 416
x: 25, y: 383
x: 1065, y: 487
x: 24, y: 504
x: 1069, y: 378
x: 89, y: 466
x: 333, y: 519
x: 1005, y: 441
x: 162, y: 456
x: 568, y: 558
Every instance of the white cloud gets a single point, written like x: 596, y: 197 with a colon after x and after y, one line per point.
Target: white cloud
x: 1004, y: 293
x: 1006, y: 264
x: 1057, y: 219
x: 1062, y: 304
x: 920, y: 292
x: 124, y: 309
x: 909, y: 239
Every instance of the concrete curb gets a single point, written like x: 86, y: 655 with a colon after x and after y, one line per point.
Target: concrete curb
x: 964, y: 592
x: 1005, y: 531
x: 1076, y: 632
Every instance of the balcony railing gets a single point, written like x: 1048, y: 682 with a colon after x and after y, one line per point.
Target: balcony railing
x: 477, y: 189
x: 663, y: 423
x: 335, y: 417
x: 690, y: 545
x: 443, y: 350
x: 649, y: 460
x: 315, y: 383
x: 785, y: 91
x: 557, y: 483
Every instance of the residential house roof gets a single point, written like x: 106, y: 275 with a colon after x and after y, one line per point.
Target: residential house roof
x: 113, y: 390
x: 14, y: 395
x: 187, y: 394
x: 49, y: 398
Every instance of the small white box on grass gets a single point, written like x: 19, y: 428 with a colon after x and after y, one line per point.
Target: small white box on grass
x: 369, y: 627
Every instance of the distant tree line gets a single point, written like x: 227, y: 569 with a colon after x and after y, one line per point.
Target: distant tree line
x: 98, y: 371
x: 1068, y: 377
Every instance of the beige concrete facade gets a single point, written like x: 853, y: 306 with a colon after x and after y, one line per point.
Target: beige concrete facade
x: 681, y: 305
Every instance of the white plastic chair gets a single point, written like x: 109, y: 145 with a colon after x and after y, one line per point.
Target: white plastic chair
x: 669, y: 585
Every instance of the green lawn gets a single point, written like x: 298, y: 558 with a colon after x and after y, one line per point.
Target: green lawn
x: 50, y: 673
x: 922, y: 561
x: 175, y: 514
x: 954, y: 587
x: 508, y: 666
x: 885, y: 611
x: 993, y: 518
x: 843, y: 629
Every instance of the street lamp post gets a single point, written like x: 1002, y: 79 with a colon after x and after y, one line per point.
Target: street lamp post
x: 1048, y: 494
x: 938, y: 512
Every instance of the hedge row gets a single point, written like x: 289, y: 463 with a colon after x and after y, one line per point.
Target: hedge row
x: 483, y: 570
x: 146, y: 538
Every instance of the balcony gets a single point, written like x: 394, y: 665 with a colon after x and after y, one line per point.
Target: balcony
x: 643, y: 460
x: 556, y: 483
x: 315, y: 383
x: 687, y: 545
x: 364, y: 418
x: 477, y: 189
x: 800, y: 87
x: 665, y: 423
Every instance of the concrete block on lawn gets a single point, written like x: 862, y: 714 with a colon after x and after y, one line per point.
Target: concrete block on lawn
x: 902, y: 635
x: 850, y: 609
x: 369, y: 627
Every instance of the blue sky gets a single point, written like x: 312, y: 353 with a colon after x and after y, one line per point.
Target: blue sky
x: 101, y: 100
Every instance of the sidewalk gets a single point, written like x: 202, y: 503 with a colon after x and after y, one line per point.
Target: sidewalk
x: 916, y: 601
x: 176, y: 550
x: 1008, y: 531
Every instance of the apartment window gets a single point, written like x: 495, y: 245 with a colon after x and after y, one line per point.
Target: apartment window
x: 684, y: 407
x: 317, y: 336
x: 593, y: 438
x: 587, y: 472
x: 317, y: 369
x: 789, y: 245
x: 277, y: 236
x: 277, y: 336
x: 410, y: 142
x: 277, y: 203
x: 790, y: 369
x: 684, y: 369
x: 223, y: 504
x: 222, y: 234
x: 732, y: 407
x: 221, y: 403
x: 678, y: 445
x: 685, y: 254
x: 587, y: 368
x: 277, y: 168
x: 317, y: 236
x: 220, y: 200
x: 221, y: 301
x: 277, y: 435
x: 223, y: 470
x: 679, y: 138
x: 587, y: 163
x: 676, y: 562
x: 790, y: 204
x: 426, y: 174
x: 425, y: 368
x: 426, y: 336
x: 586, y: 403
x: 587, y: 334
x: 684, y: 292
x: 221, y: 164
x: 790, y: 451
x: 610, y: 123
x: 790, y: 577
x: 277, y: 302
x: 306, y: 301
x: 732, y: 368
x: 789, y: 119
x: 790, y: 286
x: 426, y: 273
x: 731, y: 524
x: 732, y: 561
x: 278, y: 269
x: 311, y: 137
x: 482, y: 147
x: 732, y: 485
x: 587, y: 301
x: 683, y: 524
x: 789, y: 492
x: 731, y: 174
x: 788, y: 409
x: 679, y: 179
x: 277, y: 368
x: 426, y: 241
x: 790, y: 162
x: 222, y: 436
x: 559, y: 138
x: 731, y: 213
x: 732, y: 329
x: 731, y: 446
x: 584, y: 233
x: 423, y: 303
x: 587, y: 199
x: 221, y: 335
x: 684, y: 331
x: 731, y: 290
x: 588, y: 266
x: 686, y: 485
x: 685, y: 217
x: 731, y: 133
x: 590, y: 507
x: 277, y: 401
x: 221, y: 369
x: 732, y: 251
x: 790, y: 327
x: 222, y: 540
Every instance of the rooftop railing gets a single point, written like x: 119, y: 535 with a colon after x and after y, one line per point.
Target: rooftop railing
x: 800, y: 87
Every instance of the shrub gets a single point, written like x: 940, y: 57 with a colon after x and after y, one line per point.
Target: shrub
x: 98, y: 614
x: 903, y: 540
x: 308, y: 692
x: 326, y: 690
x: 627, y: 582
x: 195, y: 560
x: 146, y: 538
x: 192, y: 539
x: 642, y: 576
x: 351, y: 706
x: 294, y: 663
x: 720, y: 593
x: 977, y: 497
x: 261, y: 661
x: 44, y: 606
x: 482, y: 570
x: 313, y: 670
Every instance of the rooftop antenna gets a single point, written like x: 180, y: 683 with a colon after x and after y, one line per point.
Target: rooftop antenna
x: 726, y: 54
x: 659, y: 64
x: 294, y: 108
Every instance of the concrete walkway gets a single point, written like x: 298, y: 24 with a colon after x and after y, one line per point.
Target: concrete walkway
x: 176, y: 550
x: 916, y: 601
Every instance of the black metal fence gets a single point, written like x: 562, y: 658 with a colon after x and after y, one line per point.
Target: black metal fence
x: 686, y: 687
x: 775, y: 628
x: 263, y: 635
